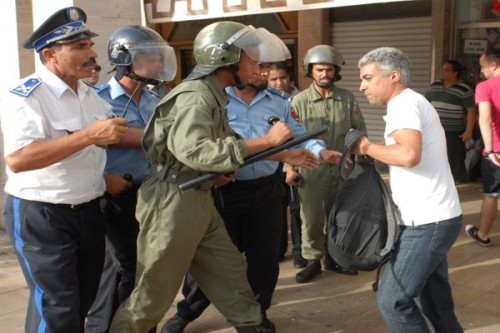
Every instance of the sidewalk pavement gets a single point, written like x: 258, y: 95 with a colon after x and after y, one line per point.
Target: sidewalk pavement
x: 332, y: 302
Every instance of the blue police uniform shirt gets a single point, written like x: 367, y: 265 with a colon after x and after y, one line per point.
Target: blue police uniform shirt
x: 129, y: 160
x: 251, y: 121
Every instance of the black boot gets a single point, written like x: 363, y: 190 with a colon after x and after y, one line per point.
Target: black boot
x: 299, y: 261
x: 266, y: 326
x: 312, y: 269
x: 176, y: 324
x: 331, y: 265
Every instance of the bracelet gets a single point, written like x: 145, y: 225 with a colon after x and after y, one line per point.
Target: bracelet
x: 488, y: 153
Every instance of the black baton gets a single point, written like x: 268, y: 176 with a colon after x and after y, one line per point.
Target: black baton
x: 257, y: 157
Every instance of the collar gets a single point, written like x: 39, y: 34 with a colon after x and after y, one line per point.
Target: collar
x: 57, y: 86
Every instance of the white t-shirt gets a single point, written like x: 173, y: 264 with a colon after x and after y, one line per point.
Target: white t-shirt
x: 52, y: 110
x: 425, y: 193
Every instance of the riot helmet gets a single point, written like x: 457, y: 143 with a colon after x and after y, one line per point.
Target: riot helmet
x: 323, y: 54
x: 219, y: 45
x: 141, y: 54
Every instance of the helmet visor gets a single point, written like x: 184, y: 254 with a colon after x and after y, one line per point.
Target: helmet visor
x: 263, y: 46
x: 155, y: 60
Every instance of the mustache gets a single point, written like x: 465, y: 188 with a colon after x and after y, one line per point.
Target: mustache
x: 89, y: 62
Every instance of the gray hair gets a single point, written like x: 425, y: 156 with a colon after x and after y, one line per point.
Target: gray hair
x: 389, y: 59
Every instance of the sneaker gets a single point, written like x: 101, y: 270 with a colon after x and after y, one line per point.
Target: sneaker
x: 176, y: 324
x: 471, y: 231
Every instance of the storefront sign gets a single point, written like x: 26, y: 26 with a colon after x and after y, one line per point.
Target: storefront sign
x: 475, y: 46
x: 159, y: 11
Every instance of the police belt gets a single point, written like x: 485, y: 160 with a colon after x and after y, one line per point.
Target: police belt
x: 178, y: 177
x: 253, y: 183
x: 81, y: 205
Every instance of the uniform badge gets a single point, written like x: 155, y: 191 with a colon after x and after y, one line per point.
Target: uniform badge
x: 73, y: 14
x: 294, y: 115
x: 27, y: 87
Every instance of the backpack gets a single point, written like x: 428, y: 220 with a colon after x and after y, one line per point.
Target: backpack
x: 363, y: 222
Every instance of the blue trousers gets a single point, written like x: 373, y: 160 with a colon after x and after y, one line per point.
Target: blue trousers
x: 418, y: 270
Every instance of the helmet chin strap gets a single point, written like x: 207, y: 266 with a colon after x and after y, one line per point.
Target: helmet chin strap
x: 234, y: 68
x: 122, y: 71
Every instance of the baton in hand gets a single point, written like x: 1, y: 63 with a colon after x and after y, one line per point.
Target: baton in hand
x: 257, y: 157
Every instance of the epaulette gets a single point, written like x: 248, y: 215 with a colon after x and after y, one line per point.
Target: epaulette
x: 102, y: 87
x: 27, y: 87
x: 282, y: 94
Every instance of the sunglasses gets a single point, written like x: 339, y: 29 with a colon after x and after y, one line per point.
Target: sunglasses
x: 97, y: 68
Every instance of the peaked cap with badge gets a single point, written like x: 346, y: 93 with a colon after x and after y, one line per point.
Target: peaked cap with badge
x: 64, y: 26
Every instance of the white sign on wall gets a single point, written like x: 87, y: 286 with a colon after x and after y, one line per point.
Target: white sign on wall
x: 159, y: 11
x: 475, y: 46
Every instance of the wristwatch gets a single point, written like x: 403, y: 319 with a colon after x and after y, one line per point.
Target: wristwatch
x: 489, y: 152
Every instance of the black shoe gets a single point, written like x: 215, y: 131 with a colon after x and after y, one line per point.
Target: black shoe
x: 312, y: 269
x: 266, y: 326
x: 176, y: 324
x: 299, y: 261
x: 331, y: 265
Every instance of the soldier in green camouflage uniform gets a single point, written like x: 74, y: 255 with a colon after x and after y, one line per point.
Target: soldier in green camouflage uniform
x: 187, y: 136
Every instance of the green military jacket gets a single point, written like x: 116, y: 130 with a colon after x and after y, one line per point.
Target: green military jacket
x: 189, y: 131
x: 339, y: 111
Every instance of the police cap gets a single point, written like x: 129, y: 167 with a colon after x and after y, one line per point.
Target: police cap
x: 64, y: 26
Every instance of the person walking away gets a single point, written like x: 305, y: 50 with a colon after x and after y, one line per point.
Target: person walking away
x: 488, y: 100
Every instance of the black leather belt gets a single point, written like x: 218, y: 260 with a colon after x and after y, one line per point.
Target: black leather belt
x: 257, y: 182
x: 81, y: 205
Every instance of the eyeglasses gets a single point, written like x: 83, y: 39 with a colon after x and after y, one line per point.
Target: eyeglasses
x: 97, y: 68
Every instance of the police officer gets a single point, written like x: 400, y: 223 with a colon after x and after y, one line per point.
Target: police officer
x: 187, y: 136
x: 251, y: 206
x: 323, y: 103
x: 55, y: 132
x: 141, y: 57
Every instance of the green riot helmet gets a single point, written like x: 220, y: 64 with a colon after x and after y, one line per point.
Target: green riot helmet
x: 142, y: 54
x: 323, y: 54
x: 219, y: 45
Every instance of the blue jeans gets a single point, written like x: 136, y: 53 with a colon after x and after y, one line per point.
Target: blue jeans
x: 418, y: 268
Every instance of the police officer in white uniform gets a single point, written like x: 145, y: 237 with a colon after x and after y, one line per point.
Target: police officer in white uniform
x: 55, y: 134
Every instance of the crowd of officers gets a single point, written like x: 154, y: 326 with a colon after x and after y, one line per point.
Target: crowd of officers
x: 109, y: 254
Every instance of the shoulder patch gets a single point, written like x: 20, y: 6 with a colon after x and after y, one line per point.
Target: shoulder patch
x: 27, y: 87
x: 282, y: 94
x: 102, y: 87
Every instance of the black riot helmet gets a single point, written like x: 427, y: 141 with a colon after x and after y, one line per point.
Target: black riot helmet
x: 141, y: 54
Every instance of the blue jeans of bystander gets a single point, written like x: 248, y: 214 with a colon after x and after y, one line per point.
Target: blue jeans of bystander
x: 419, y: 269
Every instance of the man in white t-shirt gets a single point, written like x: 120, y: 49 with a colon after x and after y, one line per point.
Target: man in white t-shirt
x: 424, y: 191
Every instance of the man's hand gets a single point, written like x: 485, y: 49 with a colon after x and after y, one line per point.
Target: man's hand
x: 301, y: 158
x: 361, y: 146
x: 278, y: 134
x: 466, y: 136
x: 221, y: 180
x: 495, y: 158
x: 116, y: 184
x: 293, y: 178
x: 331, y: 156
x: 107, y: 132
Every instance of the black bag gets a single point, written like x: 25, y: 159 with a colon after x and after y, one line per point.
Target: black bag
x: 363, y: 223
